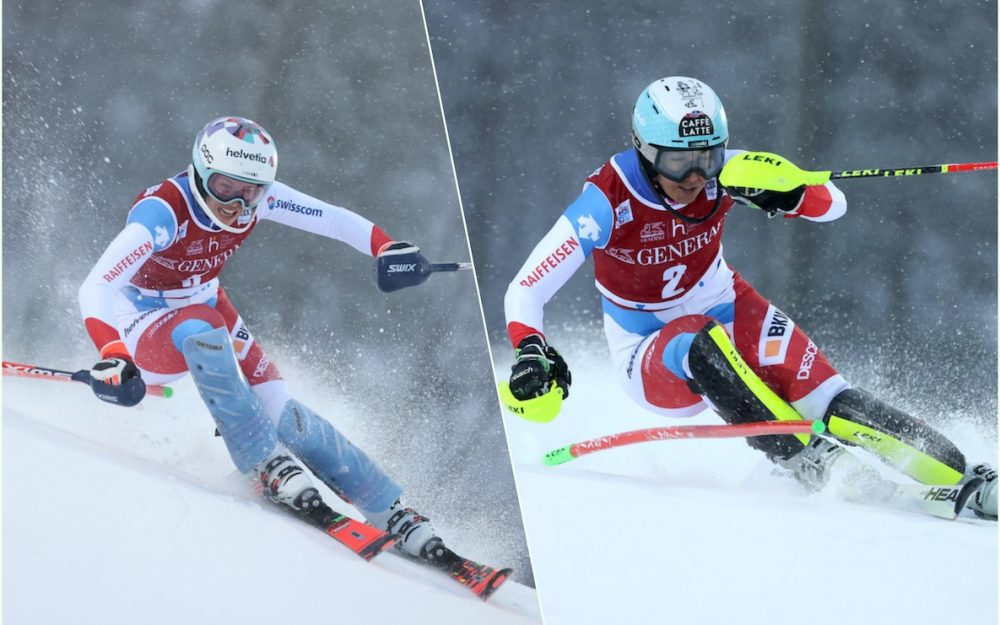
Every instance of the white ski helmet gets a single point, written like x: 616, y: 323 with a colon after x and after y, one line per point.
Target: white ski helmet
x: 679, y: 127
x: 234, y: 159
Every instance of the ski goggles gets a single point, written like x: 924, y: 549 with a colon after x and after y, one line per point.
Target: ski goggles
x: 226, y: 189
x: 676, y: 165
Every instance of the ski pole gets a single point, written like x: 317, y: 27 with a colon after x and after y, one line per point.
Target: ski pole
x: 83, y: 375
x: 763, y: 170
x: 912, y: 171
x: 736, y: 430
x: 450, y: 266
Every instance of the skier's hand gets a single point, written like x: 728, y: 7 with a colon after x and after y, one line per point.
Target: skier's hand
x: 536, y: 366
x: 400, y: 265
x: 771, y: 202
x: 117, y: 380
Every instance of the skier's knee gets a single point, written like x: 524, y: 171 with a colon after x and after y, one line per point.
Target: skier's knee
x: 679, y: 334
x: 675, y: 355
x: 200, y: 319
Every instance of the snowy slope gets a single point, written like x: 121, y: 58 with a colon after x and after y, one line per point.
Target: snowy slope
x: 700, y: 532
x: 136, y: 516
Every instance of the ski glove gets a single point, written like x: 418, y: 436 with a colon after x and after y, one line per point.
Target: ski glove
x: 118, y: 381
x: 770, y: 202
x: 400, y: 265
x: 537, y: 365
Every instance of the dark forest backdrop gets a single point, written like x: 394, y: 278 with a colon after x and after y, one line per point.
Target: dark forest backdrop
x: 901, y: 292
x: 102, y: 99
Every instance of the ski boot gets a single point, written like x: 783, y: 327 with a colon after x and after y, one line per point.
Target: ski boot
x: 984, y: 502
x: 415, y: 530
x: 283, y: 481
x: 825, y: 463
x: 419, y: 540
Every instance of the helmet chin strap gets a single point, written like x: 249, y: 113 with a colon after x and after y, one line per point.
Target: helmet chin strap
x: 650, y: 174
x: 198, y: 191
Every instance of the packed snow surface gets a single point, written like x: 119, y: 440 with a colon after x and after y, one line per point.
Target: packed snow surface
x: 124, y: 516
x: 127, y: 516
x: 694, y: 532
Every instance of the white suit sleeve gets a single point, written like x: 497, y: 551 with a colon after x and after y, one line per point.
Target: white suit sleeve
x: 586, y: 224
x: 290, y: 207
x: 121, y: 260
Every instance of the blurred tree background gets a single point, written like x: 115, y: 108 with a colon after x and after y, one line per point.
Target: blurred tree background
x: 901, y: 293
x: 102, y: 99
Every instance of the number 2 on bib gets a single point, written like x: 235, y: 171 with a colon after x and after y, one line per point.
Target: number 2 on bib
x: 672, y: 278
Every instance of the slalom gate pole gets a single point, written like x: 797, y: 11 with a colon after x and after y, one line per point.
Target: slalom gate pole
x: 83, y: 375
x: 912, y: 171
x: 737, y: 430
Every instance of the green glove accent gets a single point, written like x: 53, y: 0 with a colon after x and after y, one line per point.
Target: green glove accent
x: 538, y: 409
x: 763, y: 170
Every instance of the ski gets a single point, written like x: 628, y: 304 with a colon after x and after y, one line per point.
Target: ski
x: 481, y: 579
x: 365, y: 540
x: 944, y: 502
